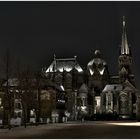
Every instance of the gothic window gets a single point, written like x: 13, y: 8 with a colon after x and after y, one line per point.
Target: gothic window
x: 100, y: 66
x: 18, y: 105
x: 133, y: 98
x: 123, y: 103
x: 104, y: 99
x: 109, y: 99
x: 58, y: 79
x: 95, y: 102
x: 114, y: 99
x: 68, y: 80
x: 94, y: 66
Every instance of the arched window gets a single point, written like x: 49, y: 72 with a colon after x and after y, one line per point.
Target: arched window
x: 104, y: 99
x: 123, y: 104
x: 109, y: 99
x: 68, y: 80
x: 58, y: 78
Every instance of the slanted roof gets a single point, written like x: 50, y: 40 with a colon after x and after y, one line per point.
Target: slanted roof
x: 123, y: 71
x: 128, y: 86
x: 113, y: 87
x: 66, y: 64
x: 114, y: 79
x: 83, y: 88
x: 49, y: 83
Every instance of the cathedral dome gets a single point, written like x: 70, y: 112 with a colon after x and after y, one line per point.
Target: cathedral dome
x: 97, y: 63
x: 97, y: 53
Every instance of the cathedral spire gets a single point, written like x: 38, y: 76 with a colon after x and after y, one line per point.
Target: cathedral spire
x: 124, y: 45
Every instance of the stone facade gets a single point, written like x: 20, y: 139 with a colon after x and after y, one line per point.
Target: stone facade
x: 92, y: 91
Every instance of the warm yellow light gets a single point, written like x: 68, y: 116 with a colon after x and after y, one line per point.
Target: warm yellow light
x: 126, y: 123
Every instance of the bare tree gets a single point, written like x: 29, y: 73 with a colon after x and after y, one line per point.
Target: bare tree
x: 7, y: 96
x: 20, y: 79
x: 38, y: 103
x: 28, y: 91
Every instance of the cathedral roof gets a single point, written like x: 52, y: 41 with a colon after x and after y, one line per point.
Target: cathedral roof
x: 113, y: 87
x: 128, y: 89
x: 123, y: 71
x: 83, y: 88
x: 97, y: 63
x: 66, y: 64
x: 128, y: 86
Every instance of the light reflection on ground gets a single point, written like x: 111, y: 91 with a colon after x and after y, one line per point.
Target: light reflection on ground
x: 126, y: 123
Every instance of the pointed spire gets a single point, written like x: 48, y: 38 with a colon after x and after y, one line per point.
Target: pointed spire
x: 124, y: 45
x: 123, y: 71
x: 83, y: 88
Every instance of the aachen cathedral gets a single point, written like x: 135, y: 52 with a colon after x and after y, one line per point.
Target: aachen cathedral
x: 92, y: 91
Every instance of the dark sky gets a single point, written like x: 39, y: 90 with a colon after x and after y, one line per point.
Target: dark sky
x: 34, y: 31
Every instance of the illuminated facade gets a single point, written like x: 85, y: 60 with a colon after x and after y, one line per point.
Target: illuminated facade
x: 92, y: 91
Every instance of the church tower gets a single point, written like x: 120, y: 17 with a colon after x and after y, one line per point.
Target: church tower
x: 125, y: 58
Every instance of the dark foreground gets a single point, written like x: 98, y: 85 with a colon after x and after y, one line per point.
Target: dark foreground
x: 77, y: 130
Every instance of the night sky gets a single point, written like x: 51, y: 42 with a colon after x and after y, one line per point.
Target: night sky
x: 34, y: 31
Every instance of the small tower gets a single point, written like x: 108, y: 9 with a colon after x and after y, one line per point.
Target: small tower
x: 98, y: 73
x: 125, y: 58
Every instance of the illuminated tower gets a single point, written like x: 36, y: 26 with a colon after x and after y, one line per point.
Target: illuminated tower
x: 98, y: 73
x: 125, y: 58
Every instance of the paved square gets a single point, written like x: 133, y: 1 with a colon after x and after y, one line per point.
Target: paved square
x: 77, y: 130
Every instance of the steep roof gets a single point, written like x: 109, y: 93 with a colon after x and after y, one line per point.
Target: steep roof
x: 113, y: 87
x: 123, y: 71
x: 128, y: 86
x: 83, y: 88
x: 66, y: 64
